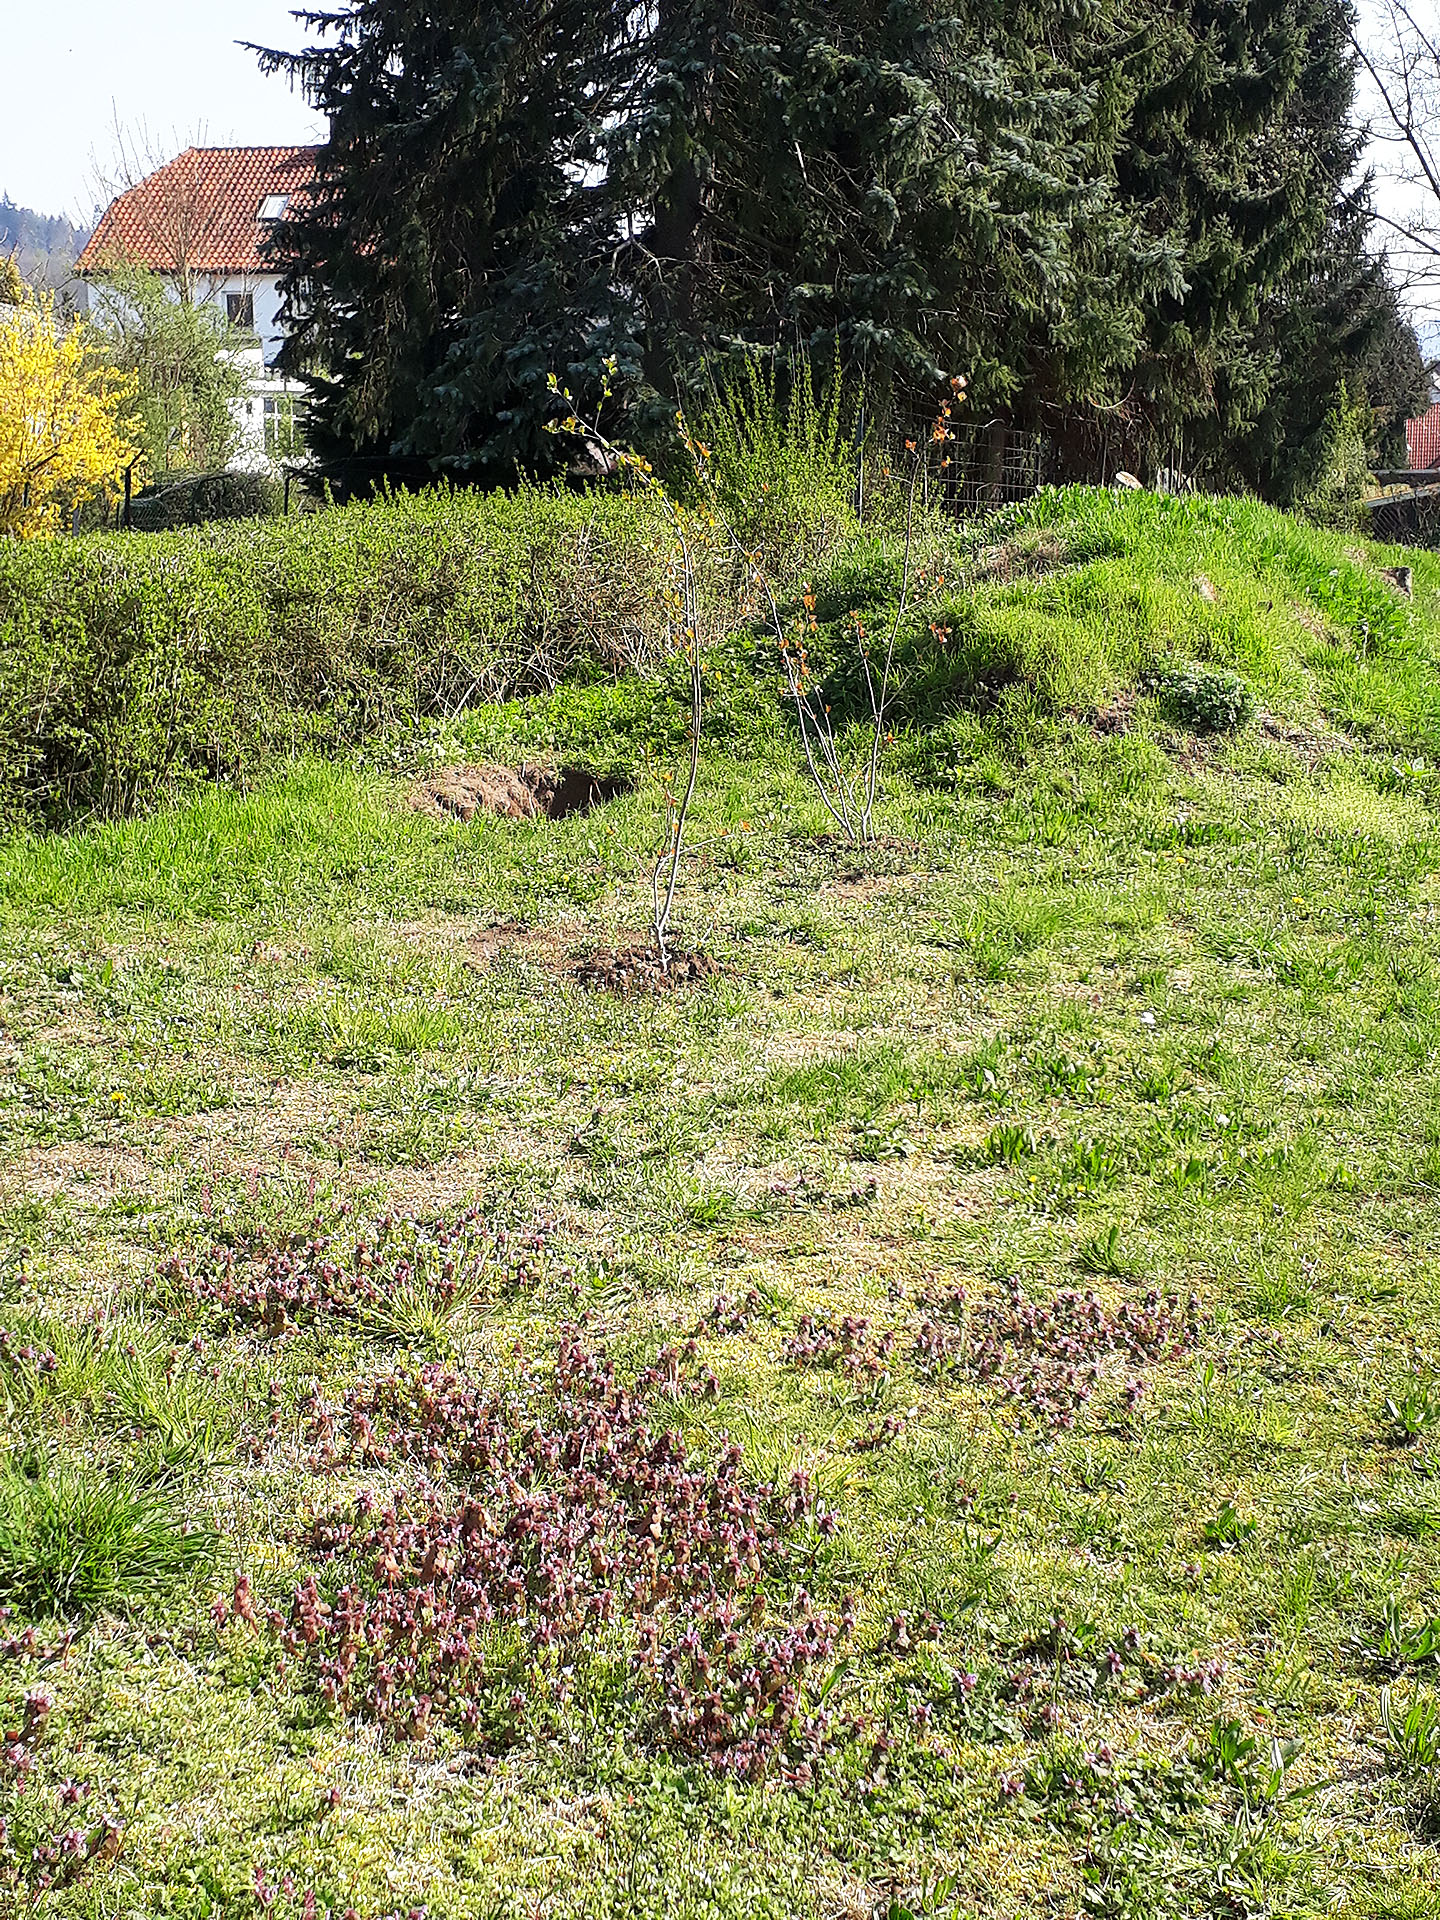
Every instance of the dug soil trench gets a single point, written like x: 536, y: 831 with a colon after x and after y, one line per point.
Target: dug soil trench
x: 515, y: 793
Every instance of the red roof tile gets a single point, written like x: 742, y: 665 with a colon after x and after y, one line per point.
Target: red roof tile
x: 1422, y: 439
x: 205, y: 204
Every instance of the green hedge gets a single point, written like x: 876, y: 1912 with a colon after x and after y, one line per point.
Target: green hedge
x: 129, y: 663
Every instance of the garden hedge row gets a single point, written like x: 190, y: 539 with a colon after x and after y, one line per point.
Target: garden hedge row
x: 129, y: 662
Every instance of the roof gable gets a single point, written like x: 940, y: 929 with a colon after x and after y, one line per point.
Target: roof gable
x: 202, y: 207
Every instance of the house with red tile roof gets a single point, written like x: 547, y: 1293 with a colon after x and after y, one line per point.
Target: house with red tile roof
x: 204, y: 221
x: 1422, y: 440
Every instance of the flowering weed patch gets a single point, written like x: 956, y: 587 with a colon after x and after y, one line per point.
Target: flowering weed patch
x: 557, y: 1528
x: 1047, y: 1359
x: 370, y: 1279
x: 52, y: 1835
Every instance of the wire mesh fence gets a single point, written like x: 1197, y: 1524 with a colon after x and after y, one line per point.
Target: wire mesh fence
x: 1408, y: 517
x: 980, y: 467
x: 989, y: 464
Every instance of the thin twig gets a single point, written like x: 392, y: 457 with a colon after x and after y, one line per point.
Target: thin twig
x: 872, y: 776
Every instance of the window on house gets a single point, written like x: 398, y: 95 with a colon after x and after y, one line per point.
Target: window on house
x: 240, y: 307
x: 283, y: 437
x: 273, y: 206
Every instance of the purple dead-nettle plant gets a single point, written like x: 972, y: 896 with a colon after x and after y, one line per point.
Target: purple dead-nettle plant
x: 850, y: 1348
x: 518, y: 1542
x: 1068, y: 1661
x: 278, y: 1289
x: 66, y: 1829
x: 1046, y: 1357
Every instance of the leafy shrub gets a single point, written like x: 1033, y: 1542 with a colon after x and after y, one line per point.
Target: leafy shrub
x: 1202, y: 699
x: 784, y: 458
x: 128, y: 665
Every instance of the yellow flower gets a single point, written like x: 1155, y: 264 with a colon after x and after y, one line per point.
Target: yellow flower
x: 60, y: 406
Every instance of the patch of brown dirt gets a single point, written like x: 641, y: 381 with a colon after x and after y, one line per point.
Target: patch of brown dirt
x: 1313, y: 746
x: 638, y: 970
x: 92, y: 1174
x: 515, y: 793
x: 828, y: 863
x: 482, y: 949
x: 1117, y: 716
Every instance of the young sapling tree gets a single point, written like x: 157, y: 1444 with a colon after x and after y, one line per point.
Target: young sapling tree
x: 695, y: 532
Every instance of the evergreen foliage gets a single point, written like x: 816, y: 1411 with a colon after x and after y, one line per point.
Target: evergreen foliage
x: 459, y: 237
x: 1337, y: 330
x: 1105, y: 215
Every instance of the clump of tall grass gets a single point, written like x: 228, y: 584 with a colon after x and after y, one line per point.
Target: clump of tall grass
x: 74, y: 1539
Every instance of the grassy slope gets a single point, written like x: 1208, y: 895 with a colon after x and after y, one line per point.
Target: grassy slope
x: 207, y: 1013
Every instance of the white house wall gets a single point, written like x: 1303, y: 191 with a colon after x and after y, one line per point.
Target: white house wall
x: 262, y: 383
x: 265, y: 291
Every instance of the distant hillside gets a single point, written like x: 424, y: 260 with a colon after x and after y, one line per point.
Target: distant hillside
x: 45, y: 246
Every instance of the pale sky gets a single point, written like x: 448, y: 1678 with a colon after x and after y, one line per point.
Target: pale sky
x: 71, y: 65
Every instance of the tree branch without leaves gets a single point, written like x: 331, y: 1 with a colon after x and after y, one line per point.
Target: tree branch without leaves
x: 1397, y: 47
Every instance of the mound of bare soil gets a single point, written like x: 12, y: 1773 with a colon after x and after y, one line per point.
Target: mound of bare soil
x: 638, y: 970
x: 515, y: 793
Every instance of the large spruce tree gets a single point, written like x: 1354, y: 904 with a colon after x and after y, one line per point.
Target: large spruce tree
x: 924, y: 189
x: 457, y: 246
x: 1239, y: 143
x: 1095, y: 210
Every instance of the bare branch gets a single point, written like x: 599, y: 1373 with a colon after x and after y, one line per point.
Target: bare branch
x: 167, y: 201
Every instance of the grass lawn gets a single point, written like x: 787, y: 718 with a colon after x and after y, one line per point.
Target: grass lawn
x: 941, y: 1416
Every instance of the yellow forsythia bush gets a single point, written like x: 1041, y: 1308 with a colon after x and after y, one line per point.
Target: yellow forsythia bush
x: 61, y: 435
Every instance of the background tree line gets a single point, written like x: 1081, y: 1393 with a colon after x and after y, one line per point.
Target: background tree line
x: 1127, y: 222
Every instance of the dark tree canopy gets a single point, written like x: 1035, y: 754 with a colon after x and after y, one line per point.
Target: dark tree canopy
x: 1098, y: 211
x: 455, y: 250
